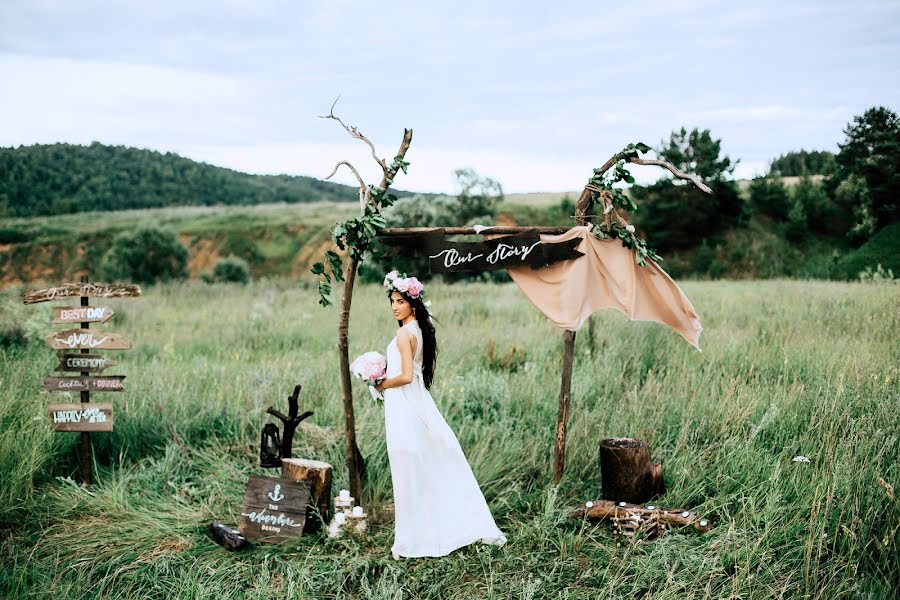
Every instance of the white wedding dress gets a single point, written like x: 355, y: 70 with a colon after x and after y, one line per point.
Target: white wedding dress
x: 438, y: 504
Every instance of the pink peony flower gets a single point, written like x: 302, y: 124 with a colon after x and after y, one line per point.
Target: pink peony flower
x: 401, y: 285
x: 414, y: 287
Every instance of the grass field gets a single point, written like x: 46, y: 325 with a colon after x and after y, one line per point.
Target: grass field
x: 788, y: 368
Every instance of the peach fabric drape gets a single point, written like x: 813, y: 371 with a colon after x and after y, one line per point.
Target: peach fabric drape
x: 605, y: 277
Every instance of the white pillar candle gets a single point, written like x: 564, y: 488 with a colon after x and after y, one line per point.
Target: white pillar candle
x: 345, y: 494
x: 357, y: 511
x: 340, y: 518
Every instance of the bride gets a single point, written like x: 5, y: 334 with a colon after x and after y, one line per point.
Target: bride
x: 438, y: 505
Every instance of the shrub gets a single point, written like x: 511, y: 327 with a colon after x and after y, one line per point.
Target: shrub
x: 231, y: 269
x: 145, y: 255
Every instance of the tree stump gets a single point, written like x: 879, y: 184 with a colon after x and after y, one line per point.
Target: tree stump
x: 627, y: 473
x: 317, y: 474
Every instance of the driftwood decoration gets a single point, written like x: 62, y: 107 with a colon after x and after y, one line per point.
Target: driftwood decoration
x: 83, y: 289
x: 626, y: 471
x: 290, y: 421
x: 355, y: 463
x: 629, y: 519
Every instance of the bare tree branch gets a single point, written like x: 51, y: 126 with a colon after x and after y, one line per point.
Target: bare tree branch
x: 667, y: 165
x: 354, y: 132
x: 363, y: 188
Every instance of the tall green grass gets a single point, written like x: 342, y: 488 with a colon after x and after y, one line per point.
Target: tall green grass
x: 788, y: 368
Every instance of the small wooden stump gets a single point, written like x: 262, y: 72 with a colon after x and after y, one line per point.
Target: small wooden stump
x: 318, y: 475
x: 626, y: 471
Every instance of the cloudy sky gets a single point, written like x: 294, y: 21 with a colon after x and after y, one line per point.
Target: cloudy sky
x: 534, y: 94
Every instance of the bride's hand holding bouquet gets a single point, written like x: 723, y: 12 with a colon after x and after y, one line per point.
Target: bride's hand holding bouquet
x: 371, y: 368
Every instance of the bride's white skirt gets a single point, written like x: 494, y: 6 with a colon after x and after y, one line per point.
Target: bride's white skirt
x: 438, y: 504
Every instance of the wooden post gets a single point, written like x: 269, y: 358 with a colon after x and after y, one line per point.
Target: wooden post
x: 86, y: 454
x: 582, y: 209
x: 356, y: 466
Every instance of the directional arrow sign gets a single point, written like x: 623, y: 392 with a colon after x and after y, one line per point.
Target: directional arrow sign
x: 82, y: 314
x: 92, y: 290
x: 81, y: 417
x: 102, y: 383
x: 71, y: 339
x: 84, y: 362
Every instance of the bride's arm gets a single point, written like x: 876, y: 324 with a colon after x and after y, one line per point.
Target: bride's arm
x: 404, y: 345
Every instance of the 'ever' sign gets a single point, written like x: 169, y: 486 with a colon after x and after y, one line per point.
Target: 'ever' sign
x: 71, y: 339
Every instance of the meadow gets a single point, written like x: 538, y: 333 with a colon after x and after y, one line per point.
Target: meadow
x: 789, y: 368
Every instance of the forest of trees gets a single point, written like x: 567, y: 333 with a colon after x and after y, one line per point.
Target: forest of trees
x: 65, y: 178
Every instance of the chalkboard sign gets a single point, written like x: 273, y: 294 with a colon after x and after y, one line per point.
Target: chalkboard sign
x: 81, y: 417
x: 274, y: 509
x: 515, y: 250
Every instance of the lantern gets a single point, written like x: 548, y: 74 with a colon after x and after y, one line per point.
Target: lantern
x: 270, y: 447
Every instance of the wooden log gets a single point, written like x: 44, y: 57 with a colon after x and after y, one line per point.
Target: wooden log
x: 318, y: 475
x: 626, y: 471
x: 607, y: 509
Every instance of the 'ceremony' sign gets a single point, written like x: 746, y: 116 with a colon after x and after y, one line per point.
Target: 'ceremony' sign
x: 103, y: 383
x: 89, y: 339
x: 515, y: 250
x: 93, y: 363
x: 81, y: 417
x: 274, y: 509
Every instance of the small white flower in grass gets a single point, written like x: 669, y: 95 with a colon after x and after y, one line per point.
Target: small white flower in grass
x: 800, y: 459
x: 589, y: 504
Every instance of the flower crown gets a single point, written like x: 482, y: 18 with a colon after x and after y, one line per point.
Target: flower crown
x: 407, y: 285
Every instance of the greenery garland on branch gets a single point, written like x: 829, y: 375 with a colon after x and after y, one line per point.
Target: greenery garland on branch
x: 600, y: 191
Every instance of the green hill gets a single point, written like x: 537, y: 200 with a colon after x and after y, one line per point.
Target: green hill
x: 57, y: 179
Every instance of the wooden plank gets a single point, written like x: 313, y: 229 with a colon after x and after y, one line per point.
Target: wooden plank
x: 92, y: 290
x: 81, y: 417
x: 102, y: 383
x: 84, y: 363
x: 89, y: 339
x: 82, y: 314
x: 274, y: 509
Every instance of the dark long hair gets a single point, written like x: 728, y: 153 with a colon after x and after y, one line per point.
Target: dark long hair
x: 429, y: 341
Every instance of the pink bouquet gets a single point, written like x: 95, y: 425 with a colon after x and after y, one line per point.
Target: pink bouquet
x: 370, y: 367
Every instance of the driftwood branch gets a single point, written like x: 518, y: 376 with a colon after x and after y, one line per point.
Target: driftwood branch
x: 675, y: 171
x: 355, y: 133
x: 609, y: 510
x: 355, y: 463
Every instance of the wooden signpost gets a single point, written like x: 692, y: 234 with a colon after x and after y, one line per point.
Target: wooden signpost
x: 81, y: 417
x: 274, y: 509
x: 82, y: 314
x: 102, y: 383
x: 84, y: 362
x: 84, y: 338
x: 84, y: 416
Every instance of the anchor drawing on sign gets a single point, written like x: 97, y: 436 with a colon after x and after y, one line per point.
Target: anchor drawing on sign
x: 276, y: 495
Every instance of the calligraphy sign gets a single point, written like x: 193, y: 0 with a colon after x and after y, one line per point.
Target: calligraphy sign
x: 82, y: 314
x: 84, y: 362
x: 103, y: 383
x: 274, y: 509
x: 92, y: 290
x: 81, y: 417
x: 515, y: 250
x: 90, y: 339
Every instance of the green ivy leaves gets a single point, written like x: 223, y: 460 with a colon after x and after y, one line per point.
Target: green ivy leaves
x: 612, y: 228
